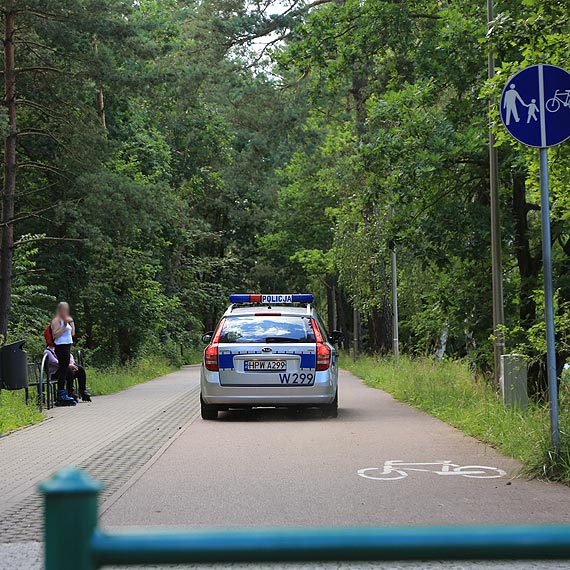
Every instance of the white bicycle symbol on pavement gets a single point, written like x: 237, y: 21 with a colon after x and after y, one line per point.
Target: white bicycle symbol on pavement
x: 397, y: 469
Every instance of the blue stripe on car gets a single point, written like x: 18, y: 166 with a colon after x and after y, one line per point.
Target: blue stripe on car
x: 308, y: 360
x: 226, y: 361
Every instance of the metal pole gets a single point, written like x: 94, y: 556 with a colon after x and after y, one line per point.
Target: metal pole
x: 549, y: 300
x: 496, y: 255
x: 395, y: 336
x: 356, y: 319
x: 312, y: 545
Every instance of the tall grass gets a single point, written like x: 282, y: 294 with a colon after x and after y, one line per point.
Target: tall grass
x: 451, y: 392
x: 115, y: 379
x: 14, y: 412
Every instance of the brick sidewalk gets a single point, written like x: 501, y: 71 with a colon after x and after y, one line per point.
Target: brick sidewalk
x: 112, y: 438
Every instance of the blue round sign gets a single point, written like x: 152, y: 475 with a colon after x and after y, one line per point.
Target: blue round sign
x: 535, y: 105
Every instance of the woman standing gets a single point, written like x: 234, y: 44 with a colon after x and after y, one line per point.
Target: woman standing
x: 63, y: 331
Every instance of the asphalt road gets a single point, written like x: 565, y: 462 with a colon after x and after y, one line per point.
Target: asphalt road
x: 269, y: 468
x: 163, y: 467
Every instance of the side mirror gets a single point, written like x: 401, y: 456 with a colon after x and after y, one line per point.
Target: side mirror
x: 336, y: 337
x: 207, y: 337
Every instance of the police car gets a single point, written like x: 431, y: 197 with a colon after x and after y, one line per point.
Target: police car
x: 269, y: 351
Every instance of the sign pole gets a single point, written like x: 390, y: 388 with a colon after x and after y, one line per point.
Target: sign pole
x: 395, y: 336
x: 395, y: 320
x: 534, y: 109
x: 496, y: 255
x: 549, y: 300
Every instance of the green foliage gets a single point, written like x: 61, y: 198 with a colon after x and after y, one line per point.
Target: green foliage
x: 31, y: 303
x: 450, y: 391
x: 396, y: 138
x: 115, y: 379
x: 147, y: 225
x: 360, y: 128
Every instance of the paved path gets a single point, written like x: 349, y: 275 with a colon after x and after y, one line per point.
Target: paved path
x: 271, y: 468
x: 261, y: 468
x: 112, y: 438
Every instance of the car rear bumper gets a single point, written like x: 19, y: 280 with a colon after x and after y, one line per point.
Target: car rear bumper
x: 322, y: 392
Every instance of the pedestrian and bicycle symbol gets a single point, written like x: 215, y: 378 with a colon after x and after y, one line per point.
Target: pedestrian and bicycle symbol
x: 535, y: 105
x: 395, y: 470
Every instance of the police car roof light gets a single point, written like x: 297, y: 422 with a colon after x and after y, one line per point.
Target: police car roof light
x: 272, y: 299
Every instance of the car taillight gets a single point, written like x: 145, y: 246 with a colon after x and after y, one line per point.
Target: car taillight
x: 211, y: 352
x: 323, y: 357
x: 323, y: 351
x: 211, y: 358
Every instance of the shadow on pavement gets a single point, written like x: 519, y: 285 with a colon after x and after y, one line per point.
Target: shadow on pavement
x: 286, y: 415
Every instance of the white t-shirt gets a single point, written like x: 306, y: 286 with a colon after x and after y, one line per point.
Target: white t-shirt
x: 65, y: 337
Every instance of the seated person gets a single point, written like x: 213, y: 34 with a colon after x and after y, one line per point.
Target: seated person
x: 74, y: 371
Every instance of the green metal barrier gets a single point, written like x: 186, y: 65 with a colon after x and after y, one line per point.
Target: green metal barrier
x: 73, y: 541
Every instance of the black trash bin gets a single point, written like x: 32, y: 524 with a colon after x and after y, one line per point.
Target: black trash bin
x: 14, y: 366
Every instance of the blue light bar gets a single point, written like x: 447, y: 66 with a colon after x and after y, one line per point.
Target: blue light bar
x: 303, y: 298
x: 272, y: 299
x: 239, y: 298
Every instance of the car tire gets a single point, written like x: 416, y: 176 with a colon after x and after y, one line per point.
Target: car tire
x: 208, y: 412
x: 331, y: 410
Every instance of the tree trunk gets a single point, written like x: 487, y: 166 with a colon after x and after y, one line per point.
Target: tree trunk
x: 88, y: 324
x: 9, y: 188
x: 358, y: 92
x: 380, y: 328
x: 529, y: 268
x: 330, y: 307
x: 100, y: 94
x: 356, y: 335
x: 342, y: 324
x: 529, y: 265
x: 125, y: 348
x: 101, y: 105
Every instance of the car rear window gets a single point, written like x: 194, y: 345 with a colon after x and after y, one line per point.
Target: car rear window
x: 267, y: 329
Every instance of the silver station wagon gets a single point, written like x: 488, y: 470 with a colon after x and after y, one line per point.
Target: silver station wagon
x: 269, y: 351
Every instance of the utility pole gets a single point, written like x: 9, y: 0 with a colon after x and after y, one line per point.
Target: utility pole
x: 496, y: 255
x: 395, y: 336
x: 395, y: 332
x: 356, y: 319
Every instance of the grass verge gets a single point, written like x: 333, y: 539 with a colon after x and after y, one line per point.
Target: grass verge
x: 14, y: 412
x: 115, y: 379
x: 451, y: 392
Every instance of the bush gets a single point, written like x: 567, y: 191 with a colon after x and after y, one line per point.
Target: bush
x: 193, y: 354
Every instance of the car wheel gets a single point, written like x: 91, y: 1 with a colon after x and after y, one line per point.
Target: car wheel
x: 331, y: 410
x: 208, y: 412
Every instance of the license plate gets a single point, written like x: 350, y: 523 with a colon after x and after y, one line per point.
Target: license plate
x: 265, y: 365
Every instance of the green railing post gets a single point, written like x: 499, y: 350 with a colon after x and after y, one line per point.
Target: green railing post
x: 70, y: 518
